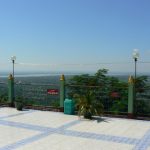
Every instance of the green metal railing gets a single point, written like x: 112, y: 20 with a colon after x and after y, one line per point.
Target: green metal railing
x: 143, y: 101
x: 37, y: 94
x: 3, y: 93
x: 114, y: 99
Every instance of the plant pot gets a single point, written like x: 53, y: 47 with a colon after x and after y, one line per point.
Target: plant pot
x: 19, y: 105
x: 87, y: 115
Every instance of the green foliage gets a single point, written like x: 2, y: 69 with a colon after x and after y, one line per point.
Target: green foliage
x: 87, y: 105
x: 119, y: 106
x: 30, y: 102
x: 85, y: 83
x: 102, y: 87
x: 4, y: 98
x: 55, y: 103
x: 19, y: 99
x: 142, y: 107
x: 141, y: 84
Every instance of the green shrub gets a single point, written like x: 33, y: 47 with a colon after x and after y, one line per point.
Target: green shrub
x: 87, y: 105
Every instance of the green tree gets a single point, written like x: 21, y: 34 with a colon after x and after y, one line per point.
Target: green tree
x: 108, y: 90
x: 141, y: 84
x: 81, y: 84
x: 103, y: 87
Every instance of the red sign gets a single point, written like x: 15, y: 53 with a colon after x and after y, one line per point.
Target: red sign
x: 115, y: 95
x: 52, y: 91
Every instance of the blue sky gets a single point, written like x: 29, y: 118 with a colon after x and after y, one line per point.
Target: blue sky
x: 74, y: 35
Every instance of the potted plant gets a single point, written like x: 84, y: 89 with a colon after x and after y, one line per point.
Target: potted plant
x: 88, y: 105
x: 19, y: 103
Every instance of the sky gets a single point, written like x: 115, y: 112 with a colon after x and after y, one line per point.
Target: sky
x: 74, y: 35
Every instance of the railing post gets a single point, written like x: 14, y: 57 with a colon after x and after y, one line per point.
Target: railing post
x: 131, y: 97
x: 11, y: 90
x: 62, y: 91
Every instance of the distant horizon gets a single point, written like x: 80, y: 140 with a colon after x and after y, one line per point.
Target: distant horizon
x: 58, y: 73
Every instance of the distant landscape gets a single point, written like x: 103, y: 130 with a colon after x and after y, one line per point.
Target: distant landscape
x: 53, y: 78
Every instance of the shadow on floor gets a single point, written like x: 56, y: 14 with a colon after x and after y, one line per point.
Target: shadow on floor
x: 100, y: 119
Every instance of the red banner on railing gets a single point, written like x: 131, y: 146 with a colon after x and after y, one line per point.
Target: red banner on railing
x: 52, y: 91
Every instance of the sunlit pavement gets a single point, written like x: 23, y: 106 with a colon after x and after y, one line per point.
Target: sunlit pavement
x: 43, y: 130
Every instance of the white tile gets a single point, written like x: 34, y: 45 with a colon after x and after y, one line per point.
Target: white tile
x: 148, y: 148
x: 9, y: 135
x: 60, y: 142
x: 116, y: 127
x: 44, y: 118
x: 4, y: 111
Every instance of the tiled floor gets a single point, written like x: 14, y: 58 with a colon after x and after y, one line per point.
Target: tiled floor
x: 41, y: 130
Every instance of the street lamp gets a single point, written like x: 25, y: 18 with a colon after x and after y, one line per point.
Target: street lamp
x: 13, y: 58
x: 135, y: 57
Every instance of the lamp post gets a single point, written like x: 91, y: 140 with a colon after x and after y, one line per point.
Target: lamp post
x: 135, y: 57
x: 13, y: 58
x: 11, y: 81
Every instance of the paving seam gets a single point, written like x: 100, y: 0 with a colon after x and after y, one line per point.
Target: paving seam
x: 144, y: 142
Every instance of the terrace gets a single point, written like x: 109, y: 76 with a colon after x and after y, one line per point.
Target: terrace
x: 32, y: 129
